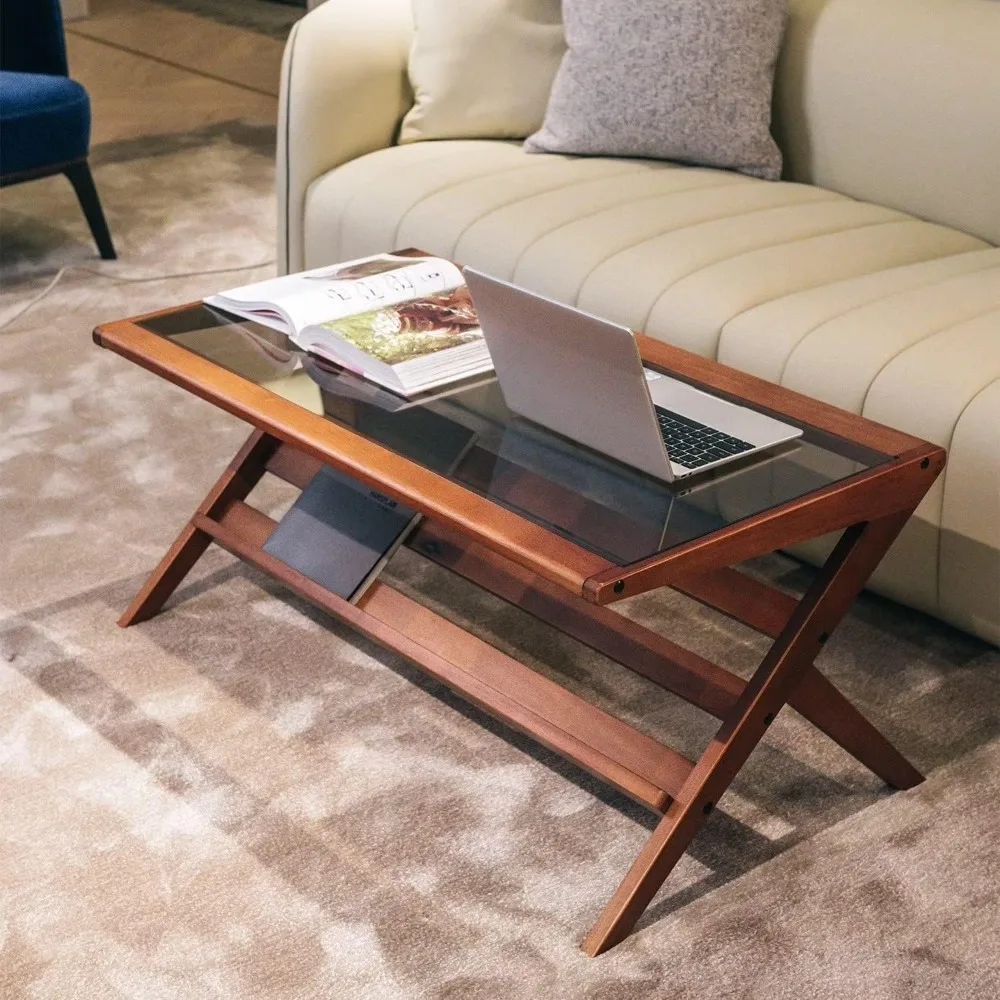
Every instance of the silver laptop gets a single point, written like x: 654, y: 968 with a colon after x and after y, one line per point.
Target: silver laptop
x: 582, y: 377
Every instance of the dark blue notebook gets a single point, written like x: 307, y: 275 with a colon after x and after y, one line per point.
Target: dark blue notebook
x: 340, y: 533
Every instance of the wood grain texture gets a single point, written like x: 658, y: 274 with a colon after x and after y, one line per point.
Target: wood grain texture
x: 874, y: 493
x: 820, y: 703
x: 843, y: 575
x: 235, y: 483
x: 293, y: 466
x: 698, y: 681
x: 527, y: 543
x: 598, y: 742
x: 741, y: 597
x: 688, y: 675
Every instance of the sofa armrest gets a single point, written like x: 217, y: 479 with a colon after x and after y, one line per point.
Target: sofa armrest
x: 344, y: 90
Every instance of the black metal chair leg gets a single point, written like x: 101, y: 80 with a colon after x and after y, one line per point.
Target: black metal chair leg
x: 83, y: 183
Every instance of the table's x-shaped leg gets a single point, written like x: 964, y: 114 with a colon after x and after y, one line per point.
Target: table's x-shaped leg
x: 790, y: 657
x: 237, y: 480
x: 785, y: 676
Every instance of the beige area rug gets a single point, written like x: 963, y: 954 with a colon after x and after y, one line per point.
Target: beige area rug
x: 242, y: 799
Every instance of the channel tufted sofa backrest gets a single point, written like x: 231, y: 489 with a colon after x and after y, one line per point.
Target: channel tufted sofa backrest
x: 896, y: 102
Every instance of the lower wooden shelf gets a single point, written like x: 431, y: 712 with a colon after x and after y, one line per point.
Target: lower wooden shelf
x: 602, y: 744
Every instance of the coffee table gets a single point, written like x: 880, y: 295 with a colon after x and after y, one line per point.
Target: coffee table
x: 563, y: 533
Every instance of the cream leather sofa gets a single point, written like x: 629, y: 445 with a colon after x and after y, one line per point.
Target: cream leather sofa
x: 870, y: 278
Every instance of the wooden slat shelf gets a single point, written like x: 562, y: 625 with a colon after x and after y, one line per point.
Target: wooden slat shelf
x: 697, y: 680
x: 686, y: 674
x: 742, y: 598
x: 599, y: 742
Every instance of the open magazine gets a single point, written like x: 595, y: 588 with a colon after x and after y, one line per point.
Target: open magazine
x: 406, y: 323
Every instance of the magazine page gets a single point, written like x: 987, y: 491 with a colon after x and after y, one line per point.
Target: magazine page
x: 294, y: 301
x: 405, y: 331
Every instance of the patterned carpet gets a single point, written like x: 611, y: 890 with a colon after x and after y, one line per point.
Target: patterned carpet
x: 243, y: 799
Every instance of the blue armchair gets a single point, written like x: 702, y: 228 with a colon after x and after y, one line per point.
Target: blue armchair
x: 44, y: 115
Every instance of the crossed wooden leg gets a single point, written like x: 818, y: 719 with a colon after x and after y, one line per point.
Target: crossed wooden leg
x: 768, y: 610
x: 240, y: 477
x: 844, y: 574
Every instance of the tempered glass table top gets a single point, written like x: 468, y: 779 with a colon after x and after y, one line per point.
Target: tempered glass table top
x: 468, y: 435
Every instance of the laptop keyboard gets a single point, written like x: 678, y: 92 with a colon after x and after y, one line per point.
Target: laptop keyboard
x: 692, y: 444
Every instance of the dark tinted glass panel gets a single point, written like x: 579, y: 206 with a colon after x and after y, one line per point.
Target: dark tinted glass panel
x: 470, y: 436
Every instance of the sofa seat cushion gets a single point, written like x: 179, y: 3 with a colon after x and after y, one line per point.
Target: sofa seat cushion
x: 676, y: 251
x: 915, y: 347
x: 44, y: 120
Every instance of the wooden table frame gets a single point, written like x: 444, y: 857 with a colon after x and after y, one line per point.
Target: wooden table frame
x: 569, y: 587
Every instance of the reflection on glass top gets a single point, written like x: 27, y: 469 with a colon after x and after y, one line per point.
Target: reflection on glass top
x: 469, y: 435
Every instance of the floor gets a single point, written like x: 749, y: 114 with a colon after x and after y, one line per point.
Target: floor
x: 158, y: 66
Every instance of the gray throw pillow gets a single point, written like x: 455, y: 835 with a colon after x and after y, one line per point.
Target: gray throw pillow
x: 686, y: 80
